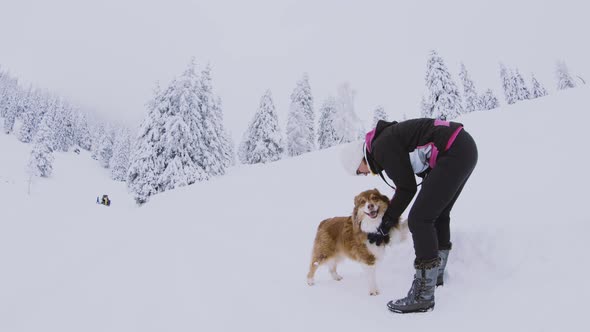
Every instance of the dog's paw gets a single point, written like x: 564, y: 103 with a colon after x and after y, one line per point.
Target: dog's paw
x: 310, y: 282
x: 374, y: 292
x: 336, y: 276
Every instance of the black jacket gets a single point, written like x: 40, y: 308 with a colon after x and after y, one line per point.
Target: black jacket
x: 389, y: 151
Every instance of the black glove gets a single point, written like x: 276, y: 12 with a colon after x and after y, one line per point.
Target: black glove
x: 378, y: 238
x: 386, y: 223
x: 382, y: 234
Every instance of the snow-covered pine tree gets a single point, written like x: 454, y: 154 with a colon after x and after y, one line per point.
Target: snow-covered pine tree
x: 488, y: 100
x: 98, y: 133
x: 214, y: 155
x: 146, y: 163
x: 170, y: 146
x: 327, y: 135
x: 41, y: 159
x: 379, y: 114
x: 6, y: 83
x: 9, y: 104
x: 301, y: 119
x: 227, y: 144
x: 46, y: 105
x: 538, y: 89
x: 121, y: 150
x: 262, y: 141
x: 564, y: 79
x: 30, y: 116
x: 64, y: 126
x: 185, y: 135
x: 442, y: 99
x: 470, y: 97
x: 105, y: 147
x: 508, y: 85
x: 179, y: 167
x: 522, y: 92
x: 69, y: 127
x: 347, y: 124
x: 50, y: 116
x: 82, y: 136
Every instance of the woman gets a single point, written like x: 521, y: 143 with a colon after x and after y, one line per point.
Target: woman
x: 444, y: 154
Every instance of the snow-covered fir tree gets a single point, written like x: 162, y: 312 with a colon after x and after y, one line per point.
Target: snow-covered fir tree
x: 82, y: 136
x: 564, y: 79
x: 301, y: 119
x: 442, y: 99
x: 347, y: 124
x: 522, y: 92
x: 508, y: 84
x: 171, y: 144
x: 183, y: 135
x: 120, y: 161
x: 105, y: 147
x: 9, y: 103
x: 6, y: 87
x: 98, y: 133
x: 216, y: 152
x: 146, y: 162
x: 30, y: 116
x: 189, y: 148
x: 47, y: 104
x: 50, y: 117
x: 538, y: 89
x: 379, y: 114
x: 227, y: 145
x: 470, y: 98
x: 489, y: 101
x: 64, y: 123
x: 263, y: 141
x: 327, y: 135
x: 41, y: 158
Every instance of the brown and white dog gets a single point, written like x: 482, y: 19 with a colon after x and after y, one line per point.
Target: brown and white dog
x: 341, y: 237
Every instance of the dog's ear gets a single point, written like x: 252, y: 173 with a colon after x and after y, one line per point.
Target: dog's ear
x: 356, y: 200
x: 381, y: 196
x: 385, y: 199
x: 356, y: 207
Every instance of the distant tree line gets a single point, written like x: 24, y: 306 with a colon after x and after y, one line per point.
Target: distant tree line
x: 52, y: 124
x: 182, y: 139
x: 443, y: 99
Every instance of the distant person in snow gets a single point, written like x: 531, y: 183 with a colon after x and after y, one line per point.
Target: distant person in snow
x: 104, y: 200
x: 444, y: 155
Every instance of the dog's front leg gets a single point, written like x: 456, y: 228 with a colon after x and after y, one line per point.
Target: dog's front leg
x: 372, y: 279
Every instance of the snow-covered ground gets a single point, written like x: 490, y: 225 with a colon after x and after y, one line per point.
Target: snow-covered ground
x: 232, y: 254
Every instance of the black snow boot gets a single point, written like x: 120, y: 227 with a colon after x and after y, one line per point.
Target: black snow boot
x: 421, y: 296
x: 443, y: 254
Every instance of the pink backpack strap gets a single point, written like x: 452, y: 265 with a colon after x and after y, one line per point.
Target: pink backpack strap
x: 453, y: 137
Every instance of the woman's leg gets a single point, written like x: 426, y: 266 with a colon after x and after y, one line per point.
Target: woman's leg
x: 442, y: 223
x: 439, y: 192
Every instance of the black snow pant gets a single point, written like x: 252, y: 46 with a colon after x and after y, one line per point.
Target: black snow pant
x: 429, y: 217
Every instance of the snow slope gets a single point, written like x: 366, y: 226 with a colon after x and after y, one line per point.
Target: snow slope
x: 232, y: 254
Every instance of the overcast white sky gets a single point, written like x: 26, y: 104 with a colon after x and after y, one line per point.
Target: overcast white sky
x: 107, y: 55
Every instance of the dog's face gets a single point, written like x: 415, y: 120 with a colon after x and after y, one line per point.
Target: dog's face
x: 369, y: 207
